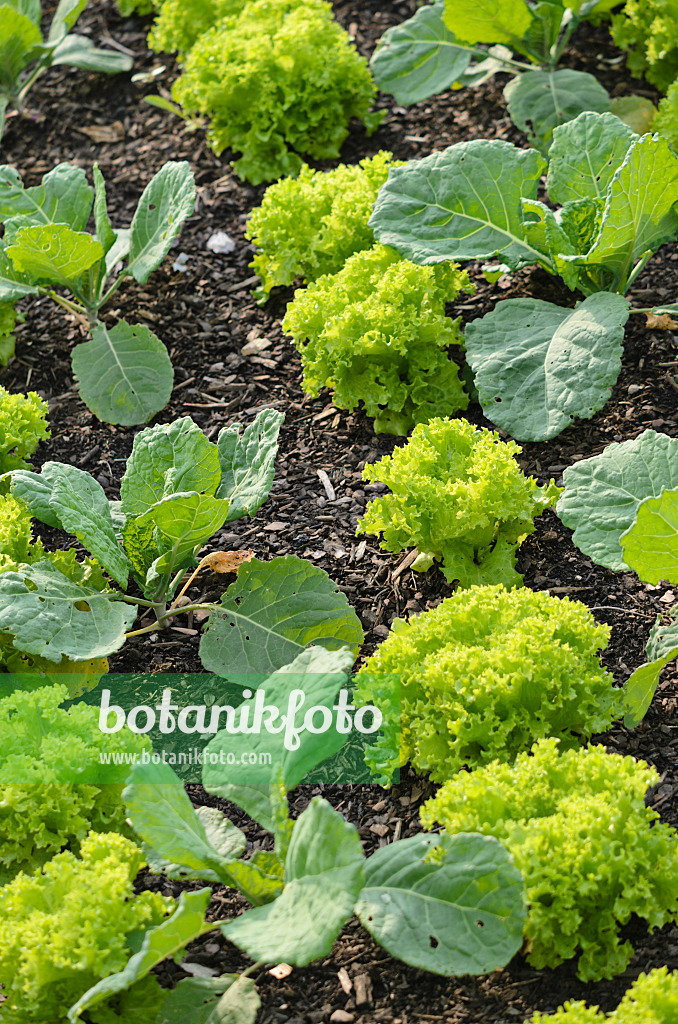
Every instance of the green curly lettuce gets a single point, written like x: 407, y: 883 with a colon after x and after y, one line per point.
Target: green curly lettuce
x: 43, y: 750
x: 649, y: 30
x: 23, y: 425
x: 278, y: 80
x: 181, y: 22
x: 140, y: 7
x: 482, y: 676
x: 652, y: 999
x: 309, y: 225
x: 666, y: 119
x: 377, y: 334
x: 8, y: 320
x: 64, y: 929
x: 590, y: 851
x: 459, y: 496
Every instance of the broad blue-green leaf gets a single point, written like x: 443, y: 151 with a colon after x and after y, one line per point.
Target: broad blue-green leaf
x: 271, y: 613
x: 165, y: 204
x: 165, y: 459
x: 585, y: 155
x: 452, y: 905
x: 641, y: 687
x: 35, y: 490
x: 18, y: 39
x: 81, y: 506
x: 538, y: 366
x: 124, y: 373
x: 54, y: 254
x: 164, y: 817
x: 418, y: 58
x: 166, y: 939
x: 650, y: 545
x: 193, y: 1000
x: 80, y: 52
x: 118, y: 251
x: 63, y: 197
x: 640, y: 210
x: 486, y: 69
x: 50, y: 616
x: 65, y: 17
x: 602, y: 494
x: 13, y: 286
x: 488, y: 21
x: 185, y: 521
x: 545, y: 231
x: 662, y: 639
x: 323, y: 879
x: 539, y: 101
x: 320, y: 675
x: 104, y: 231
x: 246, y: 462
x: 238, y: 1005
x: 464, y: 203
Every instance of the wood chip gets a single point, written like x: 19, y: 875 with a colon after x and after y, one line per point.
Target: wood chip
x: 342, y: 1017
x: 281, y: 971
x: 103, y: 132
x: 379, y: 830
x: 405, y: 564
x: 345, y: 980
x: 327, y: 484
x: 363, y: 990
x: 254, y: 346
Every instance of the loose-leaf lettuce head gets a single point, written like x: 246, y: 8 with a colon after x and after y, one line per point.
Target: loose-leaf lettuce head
x: 180, y: 23
x: 23, y: 424
x: 43, y: 751
x: 459, y: 496
x: 278, y: 80
x: 590, y: 851
x: 648, y: 30
x: 482, y: 676
x: 64, y: 929
x: 376, y: 333
x: 309, y: 225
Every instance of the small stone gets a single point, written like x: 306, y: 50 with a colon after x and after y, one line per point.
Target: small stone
x: 633, y: 389
x: 668, y: 598
x: 220, y: 242
x: 255, y: 346
x: 342, y: 1017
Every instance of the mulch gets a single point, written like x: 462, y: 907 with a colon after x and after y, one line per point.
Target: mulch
x: 205, y: 315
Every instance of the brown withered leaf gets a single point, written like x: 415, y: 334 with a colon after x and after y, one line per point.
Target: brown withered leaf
x: 104, y: 132
x: 660, y: 322
x: 227, y: 561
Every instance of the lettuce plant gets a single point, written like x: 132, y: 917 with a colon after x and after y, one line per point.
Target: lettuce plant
x: 180, y: 23
x: 25, y: 55
x: 178, y: 490
x: 23, y: 424
x: 376, y: 333
x: 277, y: 80
x: 309, y: 225
x: 623, y: 508
x: 316, y: 876
x: 482, y: 676
x: 590, y: 851
x: 41, y: 810
x: 652, y: 999
x: 436, y: 49
x: 63, y: 929
x: 538, y: 366
x: 666, y: 120
x: 649, y: 31
x: 124, y: 372
x: 459, y: 496
x: 8, y: 319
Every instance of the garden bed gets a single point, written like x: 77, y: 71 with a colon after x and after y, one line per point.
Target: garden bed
x: 206, y: 315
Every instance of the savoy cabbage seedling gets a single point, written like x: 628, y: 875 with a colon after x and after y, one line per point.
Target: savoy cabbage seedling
x: 306, y: 888
x: 41, y: 810
x: 623, y: 508
x: 377, y: 335
x: 278, y: 79
x: 309, y: 225
x: 538, y: 366
x: 591, y: 853
x: 25, y: 55
x: 178, y: 490
x: 124, y: 372
x: 435, y: 50
x: 459, y: 496
x: 482, y: 676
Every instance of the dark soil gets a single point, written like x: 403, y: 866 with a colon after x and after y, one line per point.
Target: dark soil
x: 205, y: 316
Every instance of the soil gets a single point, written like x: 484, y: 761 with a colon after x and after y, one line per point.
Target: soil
x: 205, y: 315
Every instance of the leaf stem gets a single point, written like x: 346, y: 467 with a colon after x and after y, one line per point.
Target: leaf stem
x: 169, y: 614
x: 111, y: 291
x: 636, y: 270
x: 78, y: 311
